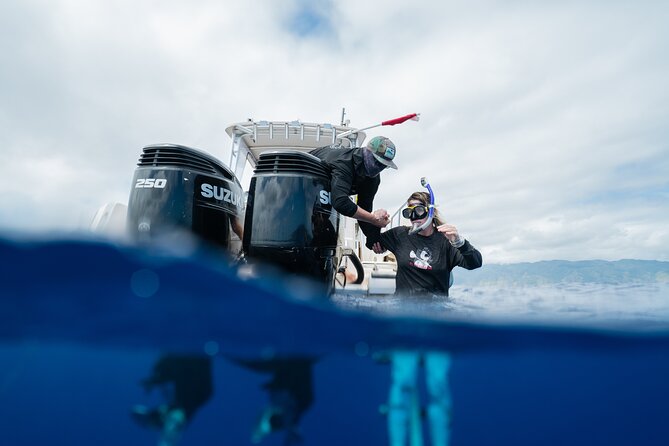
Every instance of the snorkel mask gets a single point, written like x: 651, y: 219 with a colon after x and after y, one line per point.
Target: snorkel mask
x: 414, y: 211
x: 417, y: 212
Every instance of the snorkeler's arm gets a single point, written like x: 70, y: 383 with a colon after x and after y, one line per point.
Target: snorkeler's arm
x: 466, y: 256
x: 389, y: 240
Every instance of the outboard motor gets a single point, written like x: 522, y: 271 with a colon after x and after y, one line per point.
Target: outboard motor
x: 289, y: 218
x: 176, y: 188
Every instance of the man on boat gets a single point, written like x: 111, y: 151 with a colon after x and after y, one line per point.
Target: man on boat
x: 356, y: 171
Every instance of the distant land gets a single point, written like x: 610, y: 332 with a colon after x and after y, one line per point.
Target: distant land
x: 562, y: 271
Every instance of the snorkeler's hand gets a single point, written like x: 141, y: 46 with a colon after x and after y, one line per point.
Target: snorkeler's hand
x: 381, y: 218
x: 377, y: 248
x: 452, y: 234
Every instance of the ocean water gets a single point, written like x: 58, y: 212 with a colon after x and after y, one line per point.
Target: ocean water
x: 633, y: 307
x: 83, y: 322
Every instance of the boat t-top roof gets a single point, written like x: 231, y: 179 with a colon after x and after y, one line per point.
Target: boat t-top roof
x: 251, y: 138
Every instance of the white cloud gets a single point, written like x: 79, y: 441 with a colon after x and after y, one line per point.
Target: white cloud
x: 543, y: 125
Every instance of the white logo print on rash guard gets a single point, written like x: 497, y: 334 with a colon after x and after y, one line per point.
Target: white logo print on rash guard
x: 422, y: 260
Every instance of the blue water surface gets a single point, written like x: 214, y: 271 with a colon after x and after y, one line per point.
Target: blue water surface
x: 83, y: 322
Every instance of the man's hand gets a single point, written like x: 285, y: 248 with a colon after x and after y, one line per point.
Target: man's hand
x: 381, y: 218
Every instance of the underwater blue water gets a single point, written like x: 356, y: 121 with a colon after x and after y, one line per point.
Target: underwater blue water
x: 83, y: 322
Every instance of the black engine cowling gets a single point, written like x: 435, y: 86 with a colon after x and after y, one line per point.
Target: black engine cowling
x: 289, y: 218
x: 177, y: 188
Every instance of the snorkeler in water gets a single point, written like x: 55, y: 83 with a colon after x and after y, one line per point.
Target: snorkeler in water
x: 426, y: 254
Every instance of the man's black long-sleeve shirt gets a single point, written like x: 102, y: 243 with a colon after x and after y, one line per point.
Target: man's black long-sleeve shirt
x: 348, y: 177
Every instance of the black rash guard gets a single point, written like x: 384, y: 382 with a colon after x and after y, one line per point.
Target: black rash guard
x: 424, y: 263
x: 348, y: 177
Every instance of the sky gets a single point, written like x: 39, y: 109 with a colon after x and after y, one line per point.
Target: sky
x: 544, y: 126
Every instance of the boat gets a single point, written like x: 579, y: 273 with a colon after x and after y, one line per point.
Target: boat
x: 286, y: 214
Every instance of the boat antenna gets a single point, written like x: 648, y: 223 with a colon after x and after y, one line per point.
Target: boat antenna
x: 412, y: 116
x: 430, y: 214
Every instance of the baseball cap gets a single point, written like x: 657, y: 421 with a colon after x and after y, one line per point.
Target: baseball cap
x: 383, y: 150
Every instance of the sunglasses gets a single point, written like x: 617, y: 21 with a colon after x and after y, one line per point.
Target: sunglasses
x: 415, y: 212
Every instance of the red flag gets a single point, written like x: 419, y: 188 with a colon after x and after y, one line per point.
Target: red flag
x: 413, y: 116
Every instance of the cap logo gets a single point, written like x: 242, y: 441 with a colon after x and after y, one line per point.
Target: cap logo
x: 389, y: 153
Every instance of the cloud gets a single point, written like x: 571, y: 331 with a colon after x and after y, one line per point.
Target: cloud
x: 543, y: 127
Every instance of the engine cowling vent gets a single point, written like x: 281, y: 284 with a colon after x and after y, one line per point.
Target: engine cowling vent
x: 291, y: 162
x: 166, y: 155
